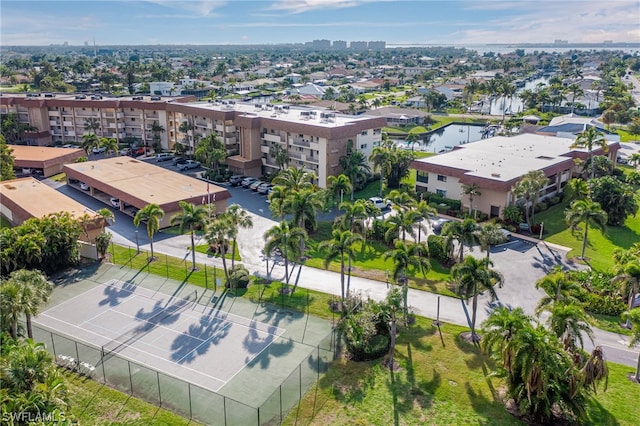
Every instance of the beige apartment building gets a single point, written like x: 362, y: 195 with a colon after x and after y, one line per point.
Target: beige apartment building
x: 314, y: 138
x: 497, y: 164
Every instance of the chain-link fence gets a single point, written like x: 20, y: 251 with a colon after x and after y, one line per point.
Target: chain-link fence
x: 186, y: 399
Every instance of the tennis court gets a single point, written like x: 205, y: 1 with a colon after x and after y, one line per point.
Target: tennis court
x: 176, y: 334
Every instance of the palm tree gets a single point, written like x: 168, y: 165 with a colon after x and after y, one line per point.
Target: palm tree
x: 35, y: 290
x: 501, y: 330
x: 462, y: 232
x: 10, y: 306
x: 401, y: 223
x: 354, y: 164
x: 353, y: 212
x: 591, y: 139
x: 471, y: 191
x: 294, y: 179
x: 238, y: 218
x: 575, y: 90
x: 339, y: 246
x: 89, y: 142
x: 629, y: 274
x: 558, y: 288
x: 569, y: 322
x: 287, y: 239
x: 380, y: 157
x: 279, y: 155
x: 106, y: 215
x: 304, y: 205
x: 576, y: 189
x: 110, y: 145
x: 528, y: 187
x: 191, y: 218
x: 338, y: 185
x: 91, y: 124
x: 405, y: 256
x: 389, y: 310
x: 219, y: 232
x: 633, y: 317
x: 471, y: 276
x: 186, y: 127
x: 588, y: 213
x: 488, y: 235
x: 152, y: 214
x: 402, y: 199
x: 425, y: 211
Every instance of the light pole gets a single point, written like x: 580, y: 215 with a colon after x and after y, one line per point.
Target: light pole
x: 137, y: 243
x: 541, y: 229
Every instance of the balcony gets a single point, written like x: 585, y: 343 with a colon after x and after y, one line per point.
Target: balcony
x: 264, y: 149
x: 52, y: 113
x: 151, y: 116
x: 229, y: 129
x: 67, y: 123
x: 219, y: 128
x: 301, y: 142
x: 54, y: 122
x: 272, y: 138
x: 230, y: 141
x: 296, y: 155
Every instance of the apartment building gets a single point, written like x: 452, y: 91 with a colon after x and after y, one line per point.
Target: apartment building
x: 497, y: 164
x: 314, y: 138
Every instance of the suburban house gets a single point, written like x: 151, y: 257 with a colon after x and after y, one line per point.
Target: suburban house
x: 496, y: 164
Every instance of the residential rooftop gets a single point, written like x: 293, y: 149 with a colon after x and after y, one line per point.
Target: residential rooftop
x: 505, y: 159
x: 43, y: 154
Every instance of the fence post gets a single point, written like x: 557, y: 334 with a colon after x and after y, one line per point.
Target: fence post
x: 159, y: 391
x: 129, y: 251
x: 166, y: 264
x: 53, y: 345
x: 104, y: 372
x: 224, y: 409
x: 190, y: 405
x: 280, y: 387
x: 130, y: 379
x: 300, y: 377
x: 113, y: 253
x: 148, y: 262
x: 77, y: 357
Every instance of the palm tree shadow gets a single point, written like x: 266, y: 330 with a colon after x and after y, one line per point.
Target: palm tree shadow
x: 114, y: 294
x: 198, y: 338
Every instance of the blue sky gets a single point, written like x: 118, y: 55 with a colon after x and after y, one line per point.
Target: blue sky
x: 29, y: 22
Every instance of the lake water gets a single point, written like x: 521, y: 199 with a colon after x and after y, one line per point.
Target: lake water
x: 445, y: 138
x: 512, y: 105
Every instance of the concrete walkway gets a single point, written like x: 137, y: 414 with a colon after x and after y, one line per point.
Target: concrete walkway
x: 522, y: 263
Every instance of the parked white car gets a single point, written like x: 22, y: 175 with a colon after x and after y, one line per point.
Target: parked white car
x: 380, y: 203
x: 84, y: 186
x: 115, y: 202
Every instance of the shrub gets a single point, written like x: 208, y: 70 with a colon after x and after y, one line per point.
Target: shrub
x: 239, y: 277
x: 512, y: 214
x: 541, y: 206
x: 102, y: 243
x: 553, y: 200
x: 437, y: 249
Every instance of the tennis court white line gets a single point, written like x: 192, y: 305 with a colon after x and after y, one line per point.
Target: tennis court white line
x: 92, y: 345
x: 226, y: 326
x: 74, y: 297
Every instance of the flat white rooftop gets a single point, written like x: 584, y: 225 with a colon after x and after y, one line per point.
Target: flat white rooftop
x: 506, y: 158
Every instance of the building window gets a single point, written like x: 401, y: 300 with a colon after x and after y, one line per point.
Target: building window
x: 442, y: 178
x: 364, y: 133
x: 441, y: 192
x: 422, y: 177
x: 363, y: 146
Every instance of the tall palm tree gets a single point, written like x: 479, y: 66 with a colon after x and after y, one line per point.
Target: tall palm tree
x: 558, y: 288
x: 464, y: 233
x: 304, y: 206
x: 91, y: 124
x: 576, y: 189
x: 10, y: 306
x: 390, y: 308
x: 353, y: 213
x: 89, y: 142
x: 591, y: 139
x: 338, y: 247
x: 402, y: 199
x: 110, y: 145
x: 191, y: 218
x: 575, y: 91
x: 187, y: 127
x: 354, y: 164
x: 488, y: 235
x: 471, y: 276
x: 239, y: 218
x: 471, y: 191
x: 380, y: 157
x: 569, y: 323
x: 401, y: 223
x: 106, y: 215
x: 35, y: 291
x: 294, y: 179
x: 588, y: 213
x: 405, y: 256
x: 500, y: 332
x: 633, y: 318
x: 528, y: 187
x: 338, y: 185
x: 219, y: 231
x: 287, y: 239
x: 152, y: 214
x: 629, y: 274
x: 279, y: 155
x: 425, y: 212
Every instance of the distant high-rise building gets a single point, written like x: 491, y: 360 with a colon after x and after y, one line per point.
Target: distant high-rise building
x: 561, y: 42
x: 339, y: 44
x: 359, y: 45
x: 377, y: 45
x: 86, y: 43
x: 321, y: 44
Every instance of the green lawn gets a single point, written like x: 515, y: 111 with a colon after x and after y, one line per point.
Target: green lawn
x: 625, y: 136
x: 600, y: 246
x: 204, y: 248
x: 4, y: 222
x: 440, y: 382
x: 369, y: 262
x: 96, y: 404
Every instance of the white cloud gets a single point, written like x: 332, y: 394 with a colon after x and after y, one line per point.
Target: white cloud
x: 195, y: 8
x: 302, y: 6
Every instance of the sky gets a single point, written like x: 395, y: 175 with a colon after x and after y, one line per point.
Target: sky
x: 449, y: 22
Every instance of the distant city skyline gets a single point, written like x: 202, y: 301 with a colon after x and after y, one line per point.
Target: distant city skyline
x: 110, y: 22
